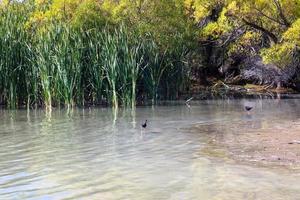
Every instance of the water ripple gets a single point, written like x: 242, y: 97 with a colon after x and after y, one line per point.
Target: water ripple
x: 88, y: 155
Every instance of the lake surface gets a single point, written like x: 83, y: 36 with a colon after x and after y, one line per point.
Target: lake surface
x: 103, y: 154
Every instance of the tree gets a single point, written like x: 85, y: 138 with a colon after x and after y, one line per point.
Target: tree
x: 275, y: 19
x: 79, y: 14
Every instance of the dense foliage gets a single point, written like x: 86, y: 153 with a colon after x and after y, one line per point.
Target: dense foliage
x: 77, y: 52
x: 86, y: 52
x: 273, y: 23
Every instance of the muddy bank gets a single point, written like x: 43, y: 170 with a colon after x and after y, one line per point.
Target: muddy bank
x: 221, y: 90
x: 255, y: 143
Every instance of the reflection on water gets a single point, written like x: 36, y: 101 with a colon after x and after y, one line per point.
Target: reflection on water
x: 104, y: 154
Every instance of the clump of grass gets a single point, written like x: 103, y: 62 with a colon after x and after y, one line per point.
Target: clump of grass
x: 121, y: 61
x: 13, y: 66
x: 93, y: 72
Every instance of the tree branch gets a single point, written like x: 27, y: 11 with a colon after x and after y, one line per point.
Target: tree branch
x: 271, y: 36
x: 235, y: 34
x: 281, y: 14
x: 268, y: 17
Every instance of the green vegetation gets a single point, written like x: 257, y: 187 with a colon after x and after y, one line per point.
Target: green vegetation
x: 76, y: 53
x: 79, y: 52
x: 277, y: 20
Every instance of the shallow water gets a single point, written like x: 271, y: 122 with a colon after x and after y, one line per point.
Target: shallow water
x: 101, y: 154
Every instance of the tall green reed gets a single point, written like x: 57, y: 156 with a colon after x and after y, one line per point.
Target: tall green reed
x: 66, y: 66
x: 122, y: 61
x: 13, y: 51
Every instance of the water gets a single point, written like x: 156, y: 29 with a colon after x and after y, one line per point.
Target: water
x: 101, y: 154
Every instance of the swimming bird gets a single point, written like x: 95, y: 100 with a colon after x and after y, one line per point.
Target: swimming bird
x: 144, y: 125
x: 248, y: 108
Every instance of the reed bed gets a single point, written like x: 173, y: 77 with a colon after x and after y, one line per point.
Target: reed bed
x: 63, y: 66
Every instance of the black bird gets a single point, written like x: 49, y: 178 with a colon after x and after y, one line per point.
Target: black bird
x: 144, y: 125
x: 248, y: 108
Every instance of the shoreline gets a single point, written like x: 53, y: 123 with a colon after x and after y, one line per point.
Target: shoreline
x: 218, y: 90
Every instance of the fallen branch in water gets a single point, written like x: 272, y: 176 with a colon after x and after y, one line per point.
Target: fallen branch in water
x: 188, y: 101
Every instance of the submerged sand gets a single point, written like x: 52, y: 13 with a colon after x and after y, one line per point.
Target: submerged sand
x: 255, y: 142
